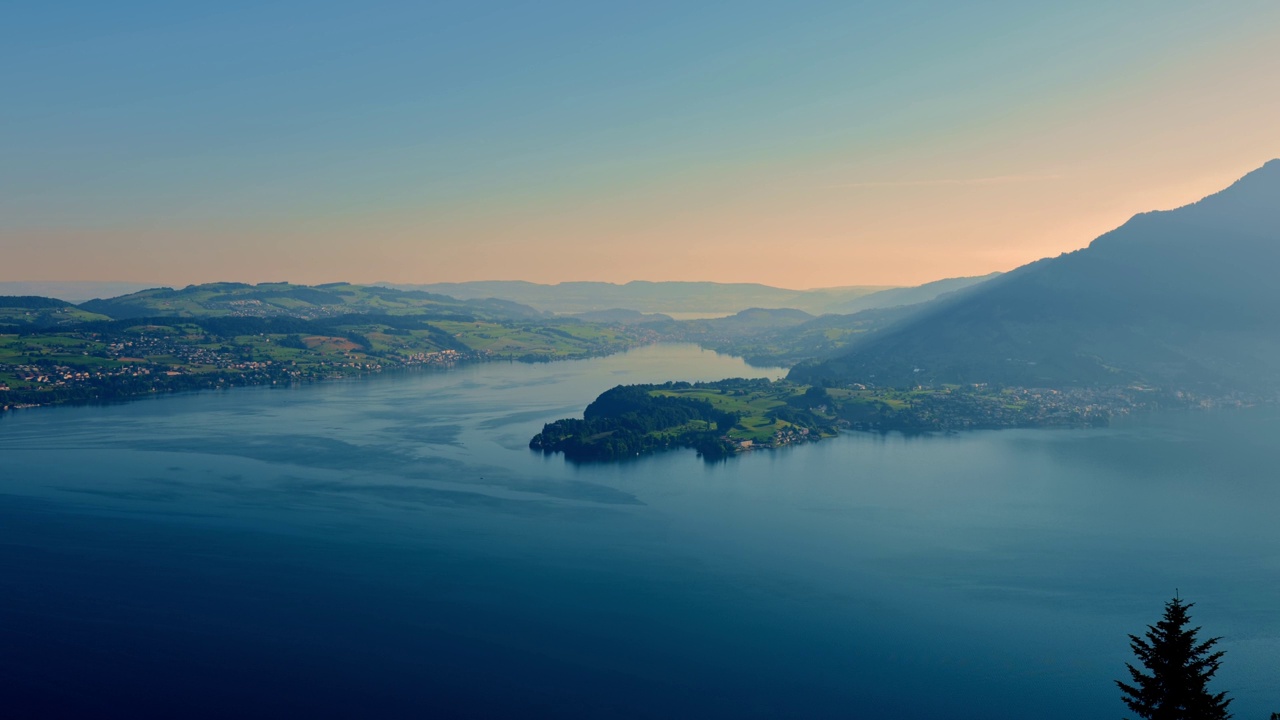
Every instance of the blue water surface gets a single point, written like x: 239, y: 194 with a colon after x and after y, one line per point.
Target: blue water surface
x: 391, y: 548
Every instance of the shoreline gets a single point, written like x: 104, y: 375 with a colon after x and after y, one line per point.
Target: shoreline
x: 731, y: 417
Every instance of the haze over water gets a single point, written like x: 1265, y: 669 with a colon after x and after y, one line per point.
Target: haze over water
x: 391, y: 547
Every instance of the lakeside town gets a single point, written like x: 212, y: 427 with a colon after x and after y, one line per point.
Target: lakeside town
x: 90, y: 367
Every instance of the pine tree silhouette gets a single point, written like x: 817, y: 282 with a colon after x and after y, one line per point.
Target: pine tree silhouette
x: 1179, y: 669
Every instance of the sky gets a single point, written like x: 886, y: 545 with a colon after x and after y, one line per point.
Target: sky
x: 798, y: 144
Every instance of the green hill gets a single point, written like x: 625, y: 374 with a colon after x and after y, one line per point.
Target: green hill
x: 299, y: 301
x: 31, y: 311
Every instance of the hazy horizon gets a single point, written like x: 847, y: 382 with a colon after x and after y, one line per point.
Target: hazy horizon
x: 94, y: 281
x: 693, y: 280
x: 872, y: 286
x: 726, y: 143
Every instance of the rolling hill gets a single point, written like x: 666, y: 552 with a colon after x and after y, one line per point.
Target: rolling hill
x: 299, y: 301
x: 32, y: 311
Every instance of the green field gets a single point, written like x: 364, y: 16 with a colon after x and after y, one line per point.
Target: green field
x: 758, y: 419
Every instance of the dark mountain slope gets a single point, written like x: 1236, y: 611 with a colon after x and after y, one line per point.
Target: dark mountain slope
x: 1185, y: 298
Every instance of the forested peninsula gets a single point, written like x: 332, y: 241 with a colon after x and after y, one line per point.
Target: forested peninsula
x: 730, y: 416
x: 716, y: 419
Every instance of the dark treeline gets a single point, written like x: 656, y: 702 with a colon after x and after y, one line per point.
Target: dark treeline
x: 627, y: 421
x: 32, y: 302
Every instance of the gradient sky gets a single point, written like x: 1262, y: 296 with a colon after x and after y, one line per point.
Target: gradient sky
x: 799, y: 144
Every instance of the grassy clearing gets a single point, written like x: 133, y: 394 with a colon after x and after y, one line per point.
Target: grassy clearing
x: 757, y: 409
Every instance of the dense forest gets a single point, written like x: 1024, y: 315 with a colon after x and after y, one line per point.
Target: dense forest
x: 628, y: 420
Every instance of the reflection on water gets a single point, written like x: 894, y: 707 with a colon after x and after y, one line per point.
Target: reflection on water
x: 391, y: 547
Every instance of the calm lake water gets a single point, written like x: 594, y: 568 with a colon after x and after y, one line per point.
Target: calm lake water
x: 391, y: 548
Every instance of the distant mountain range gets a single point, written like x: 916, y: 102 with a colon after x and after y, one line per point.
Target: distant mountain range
x: 1186, y: 298
x: 585, y: 299
x: 705, y: 298
x: 897, y: 297
x: 622, y: 316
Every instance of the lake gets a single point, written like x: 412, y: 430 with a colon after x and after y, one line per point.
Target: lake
x: 390, y: 547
